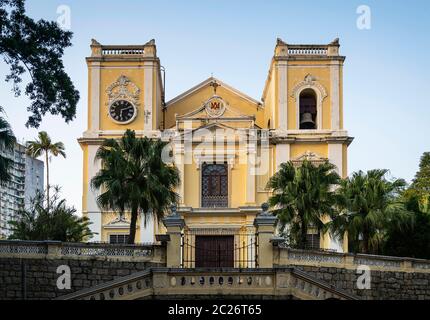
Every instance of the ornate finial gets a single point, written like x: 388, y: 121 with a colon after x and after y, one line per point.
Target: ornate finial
x: 173, y: 210
x: 265, y: 209
x: 94, y: 42
x: 280, y: 42
x: 335, y: 42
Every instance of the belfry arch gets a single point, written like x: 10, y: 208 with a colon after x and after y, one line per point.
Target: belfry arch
x: 306, y: 91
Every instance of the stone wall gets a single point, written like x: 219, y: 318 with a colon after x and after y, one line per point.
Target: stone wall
x: 390, y: 277
x: 37, y: 278
x: 384, y: 285
x: 28, y: 269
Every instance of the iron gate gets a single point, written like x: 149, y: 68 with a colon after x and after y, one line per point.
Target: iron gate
x: 219, y: 248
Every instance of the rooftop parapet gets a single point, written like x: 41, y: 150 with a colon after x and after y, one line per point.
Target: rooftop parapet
x: 124, y: 51
x: 284, y: 49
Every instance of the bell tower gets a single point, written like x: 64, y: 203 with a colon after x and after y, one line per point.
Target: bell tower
x: 304, y: 102
x: 125, y: 91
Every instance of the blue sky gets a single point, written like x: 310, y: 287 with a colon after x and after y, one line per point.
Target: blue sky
x: 386, y: 74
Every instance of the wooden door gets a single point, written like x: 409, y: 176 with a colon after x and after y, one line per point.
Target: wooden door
x: 214, y: 251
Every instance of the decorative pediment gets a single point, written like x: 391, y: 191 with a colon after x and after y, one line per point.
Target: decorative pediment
x: 123, y: 89
x: 310, y: 156
x: 211, y: 82
x: 119, y: 223
x: 212, y: 101
x: 214, y: 108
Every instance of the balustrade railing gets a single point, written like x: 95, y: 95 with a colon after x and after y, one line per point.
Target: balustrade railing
x: 289, y: 256
x: 308, y: 51
x: 122, y: 51
x: 43, y: 248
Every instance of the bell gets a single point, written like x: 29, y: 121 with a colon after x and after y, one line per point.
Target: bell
x: 306, y: 121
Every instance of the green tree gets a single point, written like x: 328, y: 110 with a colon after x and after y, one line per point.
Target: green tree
x: 50, y: 220
x: 36, y: 48
x: 367, y: 203
x: 412, y: 240
x: 44, y: 146
x: 7, y: 140
x: 421, y: 183
x: 302, y: 196
x: 422, y: 177
x: 134, y: 178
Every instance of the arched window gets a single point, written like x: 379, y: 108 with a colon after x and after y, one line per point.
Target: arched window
x: 308, y: 109
x: 214, y: 185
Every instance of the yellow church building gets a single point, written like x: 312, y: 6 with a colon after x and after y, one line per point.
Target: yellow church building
x: 225, y: 143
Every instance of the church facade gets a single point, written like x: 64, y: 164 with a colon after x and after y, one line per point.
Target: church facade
x: 225, y: 144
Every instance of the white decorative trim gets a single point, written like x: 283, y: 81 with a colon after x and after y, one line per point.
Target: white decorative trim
x: 335, y: 99
x: 93, y: 209
x: 147, y: 232
x: 95, y: 96
x: 309, y: 83
x: 95, y: 226
x: 283, y: 96
x: 282, y: 154
x: 335, y: 156
x: 148, y: 96
x: 179, y: 160
x: 251, y: 176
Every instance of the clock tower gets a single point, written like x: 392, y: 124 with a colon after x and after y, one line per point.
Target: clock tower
x: 125, y: 91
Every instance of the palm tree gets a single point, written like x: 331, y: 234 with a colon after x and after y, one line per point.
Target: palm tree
x: 7, y: 140
x: 44, y: 146
x: 135, y: 178
x: 50, y: 220
x: 302, y: 196
x: 367, y: 202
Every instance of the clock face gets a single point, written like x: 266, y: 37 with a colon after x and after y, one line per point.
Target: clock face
x: 122, y: 111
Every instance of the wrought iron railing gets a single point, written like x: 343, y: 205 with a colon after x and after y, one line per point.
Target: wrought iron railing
x: 214, y: 201
x: 240, y: 253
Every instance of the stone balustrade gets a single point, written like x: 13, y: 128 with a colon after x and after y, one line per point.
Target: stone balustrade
x: 122, y: 50
x: 55, y: 250
x: 307, y: 51
x: 287, y: 256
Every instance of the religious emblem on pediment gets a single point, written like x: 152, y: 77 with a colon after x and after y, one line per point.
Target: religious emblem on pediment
x: 215, y: 107
x: 123, y: 89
